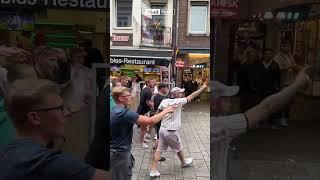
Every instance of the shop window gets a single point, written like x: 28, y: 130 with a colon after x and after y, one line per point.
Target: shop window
x: 198, y: 17
x: 124, y: 13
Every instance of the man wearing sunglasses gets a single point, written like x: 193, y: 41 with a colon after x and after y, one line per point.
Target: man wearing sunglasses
x: 36, y: 110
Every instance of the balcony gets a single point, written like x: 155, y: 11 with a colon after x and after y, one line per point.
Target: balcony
x: 156, y: 36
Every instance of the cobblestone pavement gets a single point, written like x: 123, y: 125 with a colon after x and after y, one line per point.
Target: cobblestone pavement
x: 195, y: 134
x: 292, y: 153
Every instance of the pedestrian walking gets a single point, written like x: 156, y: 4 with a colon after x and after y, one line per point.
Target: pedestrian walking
x: 157, y: 99
x: 121, y: 126
x: 145, y: 106
x: 170, y: 124
x: 225, y: 128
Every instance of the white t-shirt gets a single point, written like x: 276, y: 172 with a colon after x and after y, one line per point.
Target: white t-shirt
x: 172, y: 121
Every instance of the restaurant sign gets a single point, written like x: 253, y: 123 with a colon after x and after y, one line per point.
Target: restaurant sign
x: 78, y: 4
x: 139, y: 61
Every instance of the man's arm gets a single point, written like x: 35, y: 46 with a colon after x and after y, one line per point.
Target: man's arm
x: 197, y: 93
x: 145, y: 120
x: 276, y: 102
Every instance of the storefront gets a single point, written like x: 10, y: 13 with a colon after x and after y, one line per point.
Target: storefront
x: 195, y: 65
x: 152, y: 65
x: 21, y: 24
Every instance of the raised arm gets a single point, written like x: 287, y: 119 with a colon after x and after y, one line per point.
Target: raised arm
x: 276, y: 102
x: 197, y: 93
x: 145, y: 120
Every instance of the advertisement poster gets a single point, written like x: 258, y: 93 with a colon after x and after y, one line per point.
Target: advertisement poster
x: 165, y: 75
x: 13, y: 22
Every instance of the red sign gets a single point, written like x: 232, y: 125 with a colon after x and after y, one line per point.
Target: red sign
x: 120, y: 38
x: 226, y: 9
x: 179, y: 63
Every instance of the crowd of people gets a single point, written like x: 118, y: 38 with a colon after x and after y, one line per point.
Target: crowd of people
x: 46, y: 95
x: 259, y: 77
x: 157, y: 107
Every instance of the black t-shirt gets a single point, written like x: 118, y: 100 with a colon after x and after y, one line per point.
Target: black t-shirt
x: 26, y: 159
x: 157, y: 99
x: 145, y: 96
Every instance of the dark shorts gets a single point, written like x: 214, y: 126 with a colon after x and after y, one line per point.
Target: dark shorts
x: 158, y: 125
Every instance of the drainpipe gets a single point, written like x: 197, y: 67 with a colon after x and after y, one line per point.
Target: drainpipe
x: 174, y: 38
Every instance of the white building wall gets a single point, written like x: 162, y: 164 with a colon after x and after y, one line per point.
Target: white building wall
x: 136, y: 19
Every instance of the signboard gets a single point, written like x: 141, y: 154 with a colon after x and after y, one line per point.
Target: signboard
x: 122, y: 39
x: 13, y: 22
x: 151, y: 70
x: 139, y: 61
x: 179, y: 63
x: 78, y: 4
x: 225, y: 9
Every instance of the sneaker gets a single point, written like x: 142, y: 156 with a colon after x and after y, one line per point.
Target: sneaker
x: 144, y: 145
x: 187, y: 162
x: 154, y: 173
x: 155, y: 138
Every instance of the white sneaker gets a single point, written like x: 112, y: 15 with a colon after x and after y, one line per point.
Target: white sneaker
x: 187, y: 162
x: 144, y: 145
x: 155, y: 138
x: 154, y: 173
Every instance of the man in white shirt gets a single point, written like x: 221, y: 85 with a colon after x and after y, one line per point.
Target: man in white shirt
x: 225, y: 128
x: 168, y: 134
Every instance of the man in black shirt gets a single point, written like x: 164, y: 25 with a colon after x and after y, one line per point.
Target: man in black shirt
x: 157, y: 99
x: 145, y: 106
x: 269, y: 81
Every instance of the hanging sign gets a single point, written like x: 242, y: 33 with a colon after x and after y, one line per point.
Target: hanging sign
x: 225, y: 9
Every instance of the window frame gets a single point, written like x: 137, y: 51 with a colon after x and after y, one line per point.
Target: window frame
x: 116, y: 16
x: 206, y: 29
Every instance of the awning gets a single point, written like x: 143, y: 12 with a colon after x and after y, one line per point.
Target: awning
x: 140, y: 57
x: 194, y: 50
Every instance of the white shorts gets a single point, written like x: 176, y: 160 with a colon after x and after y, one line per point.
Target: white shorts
x: 169, y: 139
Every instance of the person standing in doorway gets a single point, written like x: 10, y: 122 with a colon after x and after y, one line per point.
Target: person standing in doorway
x: 288, y: 69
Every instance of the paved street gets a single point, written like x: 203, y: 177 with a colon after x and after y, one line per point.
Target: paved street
x: 195, y: 134
x: 287, y: 154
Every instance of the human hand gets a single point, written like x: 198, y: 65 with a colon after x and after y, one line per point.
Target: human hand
x: 14, y: 54
x: 303, y: 76
x: 205, y: 84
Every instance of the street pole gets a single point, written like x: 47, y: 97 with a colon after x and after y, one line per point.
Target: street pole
x: 174, y: 38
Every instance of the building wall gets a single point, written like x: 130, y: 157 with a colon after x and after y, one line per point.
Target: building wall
x: 137, y: 7
x: 184, y: 39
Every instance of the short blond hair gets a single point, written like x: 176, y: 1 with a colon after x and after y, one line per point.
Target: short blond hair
x: 118, y: 91
x: 25, y: 94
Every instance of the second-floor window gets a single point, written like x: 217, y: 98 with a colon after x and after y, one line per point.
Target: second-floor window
x: 124, y: 13
x: 198, y: 17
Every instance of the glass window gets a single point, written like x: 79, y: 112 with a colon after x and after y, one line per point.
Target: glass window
x: 124, y: 13
x: 198, y: 18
